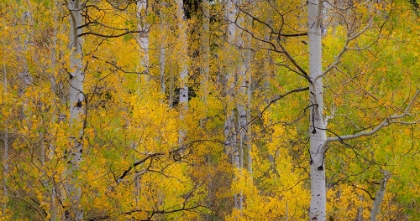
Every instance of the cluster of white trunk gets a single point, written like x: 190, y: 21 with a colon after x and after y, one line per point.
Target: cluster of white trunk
x: 238, y: 94
x: 238, y: 99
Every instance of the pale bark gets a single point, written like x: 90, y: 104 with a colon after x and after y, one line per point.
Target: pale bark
x: 379, y: 197
x: 395, y: 118
x: 25, y: 76
x: 229, y: 86
x: 143, y: 41
x: 243, y: 87
x: 6, y: 150
x: 183, y: 75
x: 205, y: 50
x: 241, y: 94
x: 268, y: 75
x: 162, y: 51
x: 162, y: 60
x: 317, y: 125
x: 204, y: 73
x: 77, y: 102
x: 51, y: 192
x: 143, y: 36
x: 230, y: 127
x: 248, y: 83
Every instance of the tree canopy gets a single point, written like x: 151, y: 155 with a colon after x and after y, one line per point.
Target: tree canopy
x: 209, y: 110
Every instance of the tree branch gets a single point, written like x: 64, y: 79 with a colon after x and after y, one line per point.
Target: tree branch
x: 386, y: 122
x: 278, y: 97
x: 110, y: 36
x: 127, y: 171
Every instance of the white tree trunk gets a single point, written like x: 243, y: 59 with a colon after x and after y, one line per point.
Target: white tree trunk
x: 205, y: 50
x: 230, y: 128
x: 6, y: 149
x: 143, y: 41
x: 162, y: 51
x: 380, y: 194
x: 204, y: 72
x: 183, y: 75
x: 143, y: 37
x: 77, y: 102
x: 162, y: 60
x: 243, y: 98
x: 53, y: 209
x: 317, y: 123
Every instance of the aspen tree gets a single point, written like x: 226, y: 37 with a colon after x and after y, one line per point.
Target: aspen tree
x: 73, y: 211
x: 143, y: 36
x: 318, y: 122
x: 162, y: 50
x: 183, y: 75
x: 230, y: 127
x: 5, y: 158
x: 316, y: 133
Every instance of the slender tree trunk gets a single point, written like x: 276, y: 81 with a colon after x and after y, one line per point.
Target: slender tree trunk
x: 162, y: 60
x: 241, y: 96
x: 183, y: 75
x: 248, y: 56
x: 51, y: 192
x: 380, y: 194
x: 204, y: 73
x: 162, y: 51
x: 317, y: 125
x: 77, y: 102
x: 268, y: 75
x: 243, y: 70
x: 230, y: 127
x: 6, y: 150
x: 143, y: 41
x: 143, y: 36
x: 205, y: 50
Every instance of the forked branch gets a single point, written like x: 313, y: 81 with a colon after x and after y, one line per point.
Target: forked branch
x: 385, y: 122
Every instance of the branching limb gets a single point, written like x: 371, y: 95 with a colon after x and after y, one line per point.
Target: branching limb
x: 111, y: 36
x: 127, y: 171
x: 364, y: 190
x: 345, y: 47
x: 274, y: 100
x: 120, y: 68
x: 153, y: 212
x: 386, y: 122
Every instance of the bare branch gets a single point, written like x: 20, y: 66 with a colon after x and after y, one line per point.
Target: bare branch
x: 111, y: 36
x: 386, y: 122
x: 278, y: 97
x: 274, y: 100
x: 345, y: 47
x: 364, y: 190
x: 120, y: 68
x: 127, y: 171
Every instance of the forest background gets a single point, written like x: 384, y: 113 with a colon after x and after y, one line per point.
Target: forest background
x: 209, y: 110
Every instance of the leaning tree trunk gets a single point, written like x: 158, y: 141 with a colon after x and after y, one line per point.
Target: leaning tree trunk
x: 317, y: 125
x: 380, y: 194
x: 77, y: 101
